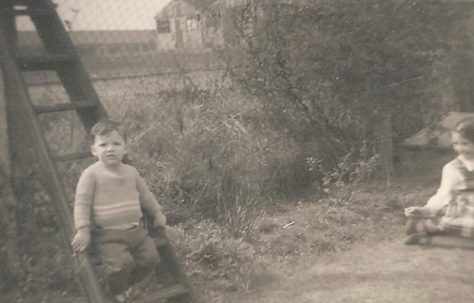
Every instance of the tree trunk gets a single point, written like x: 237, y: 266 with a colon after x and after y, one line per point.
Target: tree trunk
x: 463, y: 65
x: 384, y: 144
x: 463, y: 78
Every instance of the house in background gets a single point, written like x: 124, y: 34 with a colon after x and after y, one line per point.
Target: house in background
x: 180, y: 26
x: 195, y: 25
x: 228, y: 15
x: 188, y: 25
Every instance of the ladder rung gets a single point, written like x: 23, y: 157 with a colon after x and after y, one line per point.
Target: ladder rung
x: 163, y: 294
x: 47, y: 62
x: 27, y: 12
x: 73, y: 156
x: 65, y: 106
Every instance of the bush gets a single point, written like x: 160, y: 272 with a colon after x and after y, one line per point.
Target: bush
x: 208, y: 150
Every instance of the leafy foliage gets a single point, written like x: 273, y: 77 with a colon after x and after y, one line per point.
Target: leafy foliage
x: 328, y: 69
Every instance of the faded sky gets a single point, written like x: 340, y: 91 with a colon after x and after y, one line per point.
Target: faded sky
x: 107, y: 14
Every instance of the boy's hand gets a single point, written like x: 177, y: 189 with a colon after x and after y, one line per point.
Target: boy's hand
x: 159, y: 221
x: 81, y: 239
x: 159, y: 226
x: 416, y: 212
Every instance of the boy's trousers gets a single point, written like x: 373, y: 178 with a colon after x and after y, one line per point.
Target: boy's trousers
x: 127, y: 255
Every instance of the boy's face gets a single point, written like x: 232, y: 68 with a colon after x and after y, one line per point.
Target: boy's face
x: 462, y: 146
x: 109, y: 149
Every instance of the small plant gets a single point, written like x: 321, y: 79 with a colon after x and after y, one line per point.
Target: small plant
x: 337, y: 181
x: 239, y: 216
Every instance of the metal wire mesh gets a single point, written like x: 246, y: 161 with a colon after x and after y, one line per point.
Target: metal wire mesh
x: 133, y: 61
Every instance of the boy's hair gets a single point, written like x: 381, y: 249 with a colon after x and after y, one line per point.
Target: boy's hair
x: 105, y: 127
x: 465, y: 128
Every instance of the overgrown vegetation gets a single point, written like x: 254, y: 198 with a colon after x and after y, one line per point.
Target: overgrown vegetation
x: 331, y: 73
x: 300, y: 109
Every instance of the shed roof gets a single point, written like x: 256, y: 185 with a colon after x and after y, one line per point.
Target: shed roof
x: 436, y: 136
x: 199, y: 5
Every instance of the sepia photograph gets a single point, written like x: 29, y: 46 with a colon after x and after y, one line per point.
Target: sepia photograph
x: 236, y: 151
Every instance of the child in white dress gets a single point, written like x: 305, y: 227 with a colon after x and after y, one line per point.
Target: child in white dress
x: 451, y: 209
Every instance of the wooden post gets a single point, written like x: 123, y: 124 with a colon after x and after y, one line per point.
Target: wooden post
x: 7, y: 200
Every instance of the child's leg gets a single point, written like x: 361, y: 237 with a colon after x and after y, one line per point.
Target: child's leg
x: 416, y: 238
x: 421, y: 225
x: 118, y: 262
x: 412, y: 226
x: 418, y: 230
x: 146, y: 258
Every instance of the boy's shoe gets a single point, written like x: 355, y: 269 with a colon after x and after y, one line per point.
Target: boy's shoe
x: 123, y: 296
x: 417, y: 226
x: 128, y: 293
x: 120, y: 298
x: 415, y: 238
x: 413, y: 226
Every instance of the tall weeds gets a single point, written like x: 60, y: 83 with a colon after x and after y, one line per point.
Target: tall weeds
x: 208, y: 148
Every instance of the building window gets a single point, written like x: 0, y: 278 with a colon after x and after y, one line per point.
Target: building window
x: 213, y: 20
x: 192, y: 22
x: 245, y: 19
x: 248, y: 17
x: 163, y: 26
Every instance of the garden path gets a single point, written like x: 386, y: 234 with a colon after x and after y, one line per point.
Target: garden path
x: 382, y: 272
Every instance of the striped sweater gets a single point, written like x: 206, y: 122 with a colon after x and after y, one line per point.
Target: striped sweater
x: 112, y: 200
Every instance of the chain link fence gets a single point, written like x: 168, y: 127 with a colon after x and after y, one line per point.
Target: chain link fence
x: 155, y: 73
x: 155, y: 69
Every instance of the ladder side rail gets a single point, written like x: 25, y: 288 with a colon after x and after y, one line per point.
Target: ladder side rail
x: 169, y: 255
x: 9, y: 23
x: 79, y: 87
x: 22, y: 102
x: 73, y: 75
x: 6, y: 169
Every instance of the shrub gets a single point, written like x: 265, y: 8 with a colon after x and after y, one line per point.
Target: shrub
x: 209, y: 148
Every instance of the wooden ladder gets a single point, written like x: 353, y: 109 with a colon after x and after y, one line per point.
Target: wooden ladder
x: 62, y: 58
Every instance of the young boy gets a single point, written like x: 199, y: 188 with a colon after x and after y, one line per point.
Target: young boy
x: 110, y: 196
